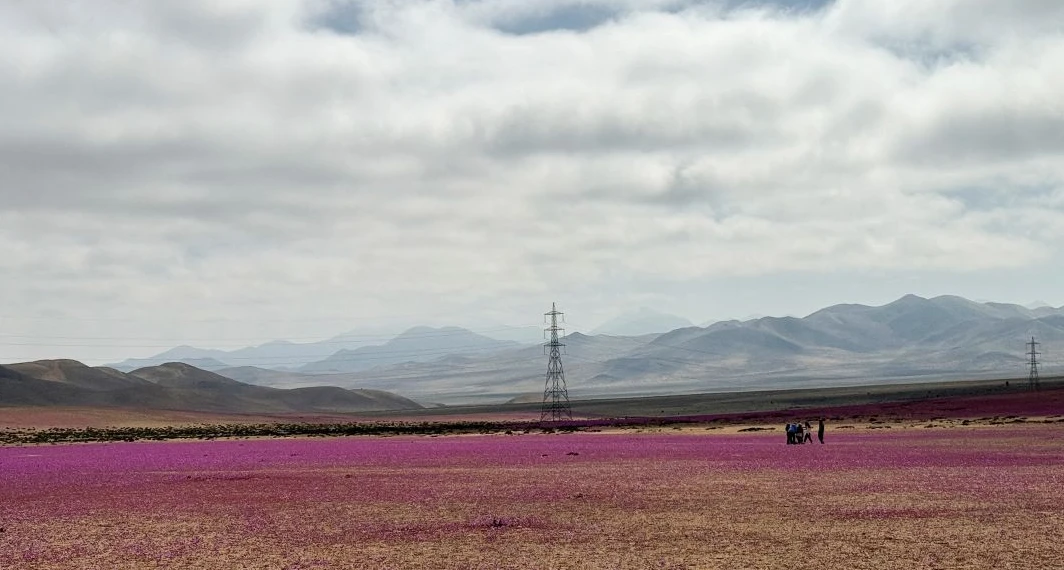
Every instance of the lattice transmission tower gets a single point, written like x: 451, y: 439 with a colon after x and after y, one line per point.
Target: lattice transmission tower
x: 1032, y: 364
x: 555, y: 395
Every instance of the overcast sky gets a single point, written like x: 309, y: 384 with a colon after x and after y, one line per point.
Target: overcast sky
x: 226, y: 173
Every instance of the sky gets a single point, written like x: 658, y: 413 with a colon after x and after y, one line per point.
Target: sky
x: 221, y: 174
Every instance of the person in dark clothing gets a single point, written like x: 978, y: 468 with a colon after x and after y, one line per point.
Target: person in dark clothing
x: 790, y: 434
x: 820, y: 431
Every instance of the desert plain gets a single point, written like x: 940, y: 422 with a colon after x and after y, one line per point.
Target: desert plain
x: 957, y: 482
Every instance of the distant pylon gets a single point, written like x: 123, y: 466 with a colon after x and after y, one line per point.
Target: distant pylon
x: 555, y: 396
x: 1032, y: 364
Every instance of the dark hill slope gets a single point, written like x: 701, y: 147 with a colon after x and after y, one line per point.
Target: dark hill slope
x: 74, y: 373
x: 19, y: 389
x: 190, y: 388
x: 333, y: 399
x: 174, y: 386
x: 74, y: 385
x: 216, y: 392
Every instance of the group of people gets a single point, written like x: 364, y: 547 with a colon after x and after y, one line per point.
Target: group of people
x: 798, y: 433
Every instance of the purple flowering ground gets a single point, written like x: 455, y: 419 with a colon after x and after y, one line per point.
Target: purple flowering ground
x: 962, y: 497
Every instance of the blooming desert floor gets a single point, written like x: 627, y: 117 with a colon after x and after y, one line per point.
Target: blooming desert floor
x: 909, y: 497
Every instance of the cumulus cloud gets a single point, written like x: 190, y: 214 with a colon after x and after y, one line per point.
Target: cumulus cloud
x: 189, y: 159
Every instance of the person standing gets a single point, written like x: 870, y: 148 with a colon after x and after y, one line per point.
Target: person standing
x: 820, y: 431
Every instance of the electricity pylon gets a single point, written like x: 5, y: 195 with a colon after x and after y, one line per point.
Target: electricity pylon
x: 1032, y: 364
x: 555, y: 395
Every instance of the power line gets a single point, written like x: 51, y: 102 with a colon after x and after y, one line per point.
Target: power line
x: 346, y: 339
x: 391, y: 316
x: 288, y: 359
x: 334, y: 339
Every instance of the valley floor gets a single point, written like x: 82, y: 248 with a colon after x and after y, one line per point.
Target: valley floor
x: 981, y: 401
x: 908, y: 497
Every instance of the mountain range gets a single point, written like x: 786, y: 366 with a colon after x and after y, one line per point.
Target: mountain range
x: 343, y: 353
x: 418, y: 344
x: 910, y: 339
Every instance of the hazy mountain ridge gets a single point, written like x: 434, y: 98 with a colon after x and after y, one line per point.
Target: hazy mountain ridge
x: 910, y: 338
x: 417, y: 344
x: 907, y: 339
x: 343, y: 353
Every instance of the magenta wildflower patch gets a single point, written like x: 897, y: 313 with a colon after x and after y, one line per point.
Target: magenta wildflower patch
x: 589, y: 500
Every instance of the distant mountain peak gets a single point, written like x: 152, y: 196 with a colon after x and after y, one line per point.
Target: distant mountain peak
x: 423, y: 331
x: 641, y: 321
x: 953, y: 298
x: 178, y: 366
x: 417, y: 344
x: 419, y: 329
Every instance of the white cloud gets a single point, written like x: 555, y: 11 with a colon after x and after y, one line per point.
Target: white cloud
x: 200, y: 158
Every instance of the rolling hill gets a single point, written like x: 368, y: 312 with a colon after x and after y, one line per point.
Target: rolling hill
x: 174, y: 386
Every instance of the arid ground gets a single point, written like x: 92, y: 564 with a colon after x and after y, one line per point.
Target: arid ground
x: 927, y: 400
x: 912, y: 496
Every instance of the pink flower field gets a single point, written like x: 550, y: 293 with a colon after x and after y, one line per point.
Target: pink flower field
x: 986, y: 497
